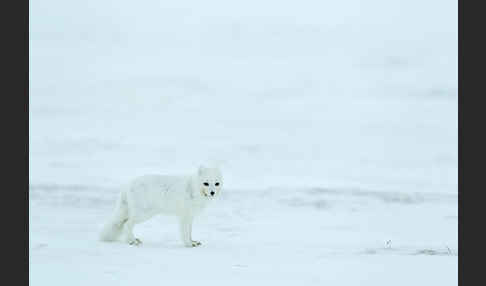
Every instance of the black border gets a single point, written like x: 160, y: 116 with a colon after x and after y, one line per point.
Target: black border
x: 14, y: 23
x: 460, y: 113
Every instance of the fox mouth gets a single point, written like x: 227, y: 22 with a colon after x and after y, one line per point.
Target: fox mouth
x: 204, y: 193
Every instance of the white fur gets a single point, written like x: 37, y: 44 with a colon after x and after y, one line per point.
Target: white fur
x: 147, y: 196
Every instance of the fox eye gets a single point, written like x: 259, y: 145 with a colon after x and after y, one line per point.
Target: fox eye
x: 217, y: 184
x: 206, y: 184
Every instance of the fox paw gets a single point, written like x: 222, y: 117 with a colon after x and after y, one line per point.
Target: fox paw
x: 135, y: 241
x: 193, y: 244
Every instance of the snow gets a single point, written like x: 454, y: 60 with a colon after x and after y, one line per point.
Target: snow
x: 334, y: 123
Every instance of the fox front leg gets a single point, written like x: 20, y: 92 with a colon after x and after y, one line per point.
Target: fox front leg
x: 186, y: 232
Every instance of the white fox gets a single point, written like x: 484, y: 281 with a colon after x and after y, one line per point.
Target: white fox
x: 147, y: 196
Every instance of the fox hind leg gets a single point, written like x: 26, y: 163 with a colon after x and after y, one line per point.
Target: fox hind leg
x: 114, y: 226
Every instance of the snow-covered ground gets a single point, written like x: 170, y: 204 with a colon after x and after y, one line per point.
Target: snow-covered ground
x: 334, y: 123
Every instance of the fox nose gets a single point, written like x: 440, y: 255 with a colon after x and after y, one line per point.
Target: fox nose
x: 212, y: 193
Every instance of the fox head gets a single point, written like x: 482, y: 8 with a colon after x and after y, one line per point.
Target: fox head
x: 210, y: 181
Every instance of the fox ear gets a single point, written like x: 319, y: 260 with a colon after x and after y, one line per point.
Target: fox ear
x: 201, y: 170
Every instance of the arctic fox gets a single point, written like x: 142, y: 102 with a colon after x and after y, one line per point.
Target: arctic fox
x: 149, y: 195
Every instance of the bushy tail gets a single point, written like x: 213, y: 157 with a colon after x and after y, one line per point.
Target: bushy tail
x: 114, y: 226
